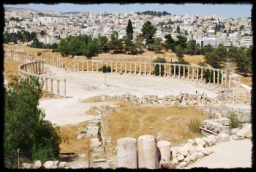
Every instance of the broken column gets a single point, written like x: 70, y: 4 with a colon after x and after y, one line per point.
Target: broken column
x: 165, y: 150
x: 147, y: 152
x: 126, y: 153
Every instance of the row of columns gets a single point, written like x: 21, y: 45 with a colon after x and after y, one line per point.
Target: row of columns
x: 194, y: 73
x: 34, y: 69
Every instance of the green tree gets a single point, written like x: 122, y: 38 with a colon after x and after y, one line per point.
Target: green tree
x: 207, y: 49
x: 179, y: 52
x: 115, y: 43
x: 156, y: 69
x: 103, y: 42
x: 42, y: 33
x: 24, y: 124
x: 148, y: 31
x: 129, y: 30
x: 182, y: 41
x: 157, y: 45
x: 178, y: 29
x: 191, y: 47
x: 169, y: 42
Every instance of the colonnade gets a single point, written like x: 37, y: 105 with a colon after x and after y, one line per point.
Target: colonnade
x: 34, y: 66
x: 177, y: 71
x: 37, y: 68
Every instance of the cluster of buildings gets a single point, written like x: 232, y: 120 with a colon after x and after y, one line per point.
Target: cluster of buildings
x: 235, y: 32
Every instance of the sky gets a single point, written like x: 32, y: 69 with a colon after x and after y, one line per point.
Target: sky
x: 222, y: 10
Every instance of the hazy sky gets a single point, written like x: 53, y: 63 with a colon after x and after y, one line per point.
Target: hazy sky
x: 226, y: 10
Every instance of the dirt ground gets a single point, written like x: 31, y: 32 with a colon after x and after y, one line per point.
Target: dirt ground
x: 72, y: 113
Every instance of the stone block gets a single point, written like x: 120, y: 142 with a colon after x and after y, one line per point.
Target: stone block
x: 223, y: 121
x: 208, y: 141
x: 26, y: 165
x: 225, y: 129
x: 213, y: 139
x: 48, y: 164
x: 180, y: 158
x: 175, y: 161
x: 199, y: 141
x: 182, y: 164
x: 200, y: 155
x: 243, y: 132
x: 199, y: 148
x: 184, y: 150
x: 192, y: 150
x: 37, y: 164
x: 222, y: 137
x: 234, y: 131
x: 187, y: 159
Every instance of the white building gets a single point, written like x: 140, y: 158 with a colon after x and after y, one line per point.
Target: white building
x: 205, y: 41
x: 246, y: 41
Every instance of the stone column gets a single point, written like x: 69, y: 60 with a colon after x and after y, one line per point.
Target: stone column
x: 159, y: 69
x: 197, y: 74
x: 92, y: 67
x: 51, y: 85
x: 83, y: 65
x: 188, y: 71
x: 218, y: 76
x: 202, y: 74
x: 64, y: 94
x: 165, y: 149
x: 150, y: 70
x: 222, y: 78
x: 46, y: 84
x: 170, y: 70
x: 58, y: 87
x: 116, y: 66
x: 184, y: 71
x: 42, y: 81
x: 193, y: 74
x: 140, y: 68
x: 87, y: 65
x: 126, y: 153
x: 97, y: 66
x: 111, y: 67
x: 74, y: 66
x: 147, y: 152
x: 125, y: 68
x: 174, y: 71
x: 145, y: 68
x: 130, y: 67
x: 214, y: 76
x: 121, y: 67
x: 179, y: 71
x: 135, y: 70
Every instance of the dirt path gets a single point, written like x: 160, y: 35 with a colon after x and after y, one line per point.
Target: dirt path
x: 232, y: 154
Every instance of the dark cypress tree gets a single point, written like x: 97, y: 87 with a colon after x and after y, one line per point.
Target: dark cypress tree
x: 129, y: 30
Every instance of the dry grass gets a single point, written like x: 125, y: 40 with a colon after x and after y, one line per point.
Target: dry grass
x: 92, y: 111
x: 69, y: 143
x: 10, y: 68
x: 195, y: 59
x: 246, y: 80
x: 137, y: 121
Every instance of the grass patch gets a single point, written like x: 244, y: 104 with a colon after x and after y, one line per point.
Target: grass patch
x: 137, y: 121
x: 68, y: 134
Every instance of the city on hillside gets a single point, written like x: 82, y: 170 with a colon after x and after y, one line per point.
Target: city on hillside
x: 51, y: 26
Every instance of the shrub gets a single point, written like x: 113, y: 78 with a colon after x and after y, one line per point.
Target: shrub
x: 234, y: 121
x: 194, y: 125
x: 39, y: 53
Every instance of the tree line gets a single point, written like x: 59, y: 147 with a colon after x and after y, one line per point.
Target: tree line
x: 130, y: 44
x: 154, y: 13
